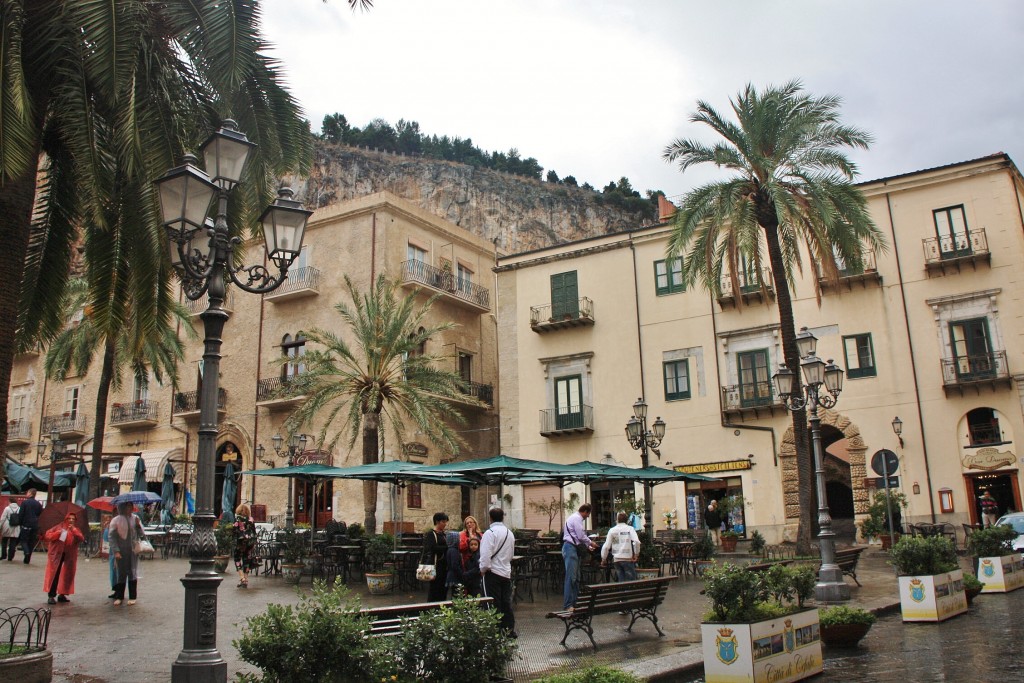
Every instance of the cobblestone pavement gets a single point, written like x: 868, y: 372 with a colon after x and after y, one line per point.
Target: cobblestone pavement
x: 92, y: 641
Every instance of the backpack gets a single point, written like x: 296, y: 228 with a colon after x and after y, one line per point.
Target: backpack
x: 15, y: 518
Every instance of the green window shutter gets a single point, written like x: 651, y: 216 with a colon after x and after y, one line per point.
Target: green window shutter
x: 755, y: 384
x: 668, y: 276
x: 565, y: 300
x: 860, y: 356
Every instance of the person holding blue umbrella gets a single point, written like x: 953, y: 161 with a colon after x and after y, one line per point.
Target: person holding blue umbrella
x: 124, y: 532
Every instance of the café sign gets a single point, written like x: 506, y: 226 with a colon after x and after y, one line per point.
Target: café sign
x: 415, y: 450
x: 710, y: 467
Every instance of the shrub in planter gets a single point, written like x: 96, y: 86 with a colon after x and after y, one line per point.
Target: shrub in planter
x: 225, y: 536
x: 355, y: 530
x: 923, y: 556
x: 757, y: 543
x: 931, y: 583
x: 650, y: 554
x: 729, y: 540
x: 592, y: 674
x: 378, y: 550
x: 876, y: 524
x: 844, y: 626
x: 972, y: 587
x: 997, y: 565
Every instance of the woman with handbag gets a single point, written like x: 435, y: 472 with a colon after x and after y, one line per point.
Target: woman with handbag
x: 62, y: 559
x: 435, y: 545
x: 126, y: 536
x: 245, y: 544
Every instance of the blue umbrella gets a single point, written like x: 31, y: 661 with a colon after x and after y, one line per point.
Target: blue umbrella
x: 136, y: 498
x: 227, y: 501
x: 139, y: 483
x: 167, y: 494
x: 82, y: 485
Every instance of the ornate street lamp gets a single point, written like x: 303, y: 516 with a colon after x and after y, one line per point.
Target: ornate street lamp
x: 203, y: 257
x: 296, y: 445
x: 897, y: 429
x: 817, y: 374
x: 641, y: 438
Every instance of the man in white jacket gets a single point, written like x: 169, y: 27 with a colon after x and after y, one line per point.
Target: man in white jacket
x: 9, y: 533
x: 624, y: 545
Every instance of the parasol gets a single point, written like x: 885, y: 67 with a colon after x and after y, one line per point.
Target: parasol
x: 139, y: 483
x: 136, y: 497
x: 54, y: 513
x: 103, y: 503
x: 167, y: 495
x: 81, y: 484
x: 227, y: 500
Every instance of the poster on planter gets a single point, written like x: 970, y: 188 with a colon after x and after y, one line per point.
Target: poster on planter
x: 774, y: 651
x: 1001, y: 574
x: 932, y: 598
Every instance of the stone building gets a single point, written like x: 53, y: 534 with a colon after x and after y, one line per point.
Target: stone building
x: 932, y: 332
x: 263, y: 346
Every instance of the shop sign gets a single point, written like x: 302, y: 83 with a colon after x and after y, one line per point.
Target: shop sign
x: 415, y: 450
x: 313, y: 458
x: 989, y: 458
x: 707, y: 467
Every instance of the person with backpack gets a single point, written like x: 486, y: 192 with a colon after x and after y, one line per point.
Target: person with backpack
x: 30, y: 511
x: 10, y: 530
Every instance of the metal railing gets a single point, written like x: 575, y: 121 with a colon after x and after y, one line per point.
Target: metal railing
x: 976, y: 368
x: 575, y: 418
x: 867, y: 262
x: 938, y: 249
x: 188, y: 401
x: 134, y: 412
x: 24, y: 629
x: 479, y: 391
x: 752, y: 395
x: 581, y: 309
x: 274, y: 388
x: 306, y: 277
x: 446, y: 281
x: 981, y: 434
x: 749, y: 282
x: 63, y: 423
x: 19, y: 429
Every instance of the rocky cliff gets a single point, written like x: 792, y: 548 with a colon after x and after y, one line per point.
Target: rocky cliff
x: 515, y: 213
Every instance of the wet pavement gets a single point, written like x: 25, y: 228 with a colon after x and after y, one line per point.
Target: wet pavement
x: 93, y: 641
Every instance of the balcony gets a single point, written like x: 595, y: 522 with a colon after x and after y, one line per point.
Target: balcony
x: 987, y: 370
x: 186, y: 403
x: 19, y: 432
x: 750, y: 288
x: 562, y: 316
x: 952, y: 252
x: 273, y: 393
x: 454, y: 289
x: 301, y: 282
x: 135, y: 415
x: 69, y: 425
x: 481, y: 392
x: 565, y: 422
x: 848, y: 277
x: 751, y: 400
x: 202, y: 303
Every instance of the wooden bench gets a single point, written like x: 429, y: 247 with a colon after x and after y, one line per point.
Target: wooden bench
x: 640, y: 599
x: 389, y: 621
x: 846, y: 559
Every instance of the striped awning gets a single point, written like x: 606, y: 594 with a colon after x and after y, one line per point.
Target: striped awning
x: 155, y: 461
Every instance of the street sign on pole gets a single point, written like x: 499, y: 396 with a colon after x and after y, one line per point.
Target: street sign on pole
x: 885, y: 461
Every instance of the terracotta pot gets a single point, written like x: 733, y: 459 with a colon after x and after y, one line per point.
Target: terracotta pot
x: 220, y: 563
x: 843, y: 635
x: 729, y: 544
x: 888, y: 540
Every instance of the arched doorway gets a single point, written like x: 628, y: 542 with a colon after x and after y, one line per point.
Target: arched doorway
x: 227, y: 452
x: 844, y: 461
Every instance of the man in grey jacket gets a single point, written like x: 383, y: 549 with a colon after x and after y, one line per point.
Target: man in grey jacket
x: 496, y: 549
x: 624, y: 546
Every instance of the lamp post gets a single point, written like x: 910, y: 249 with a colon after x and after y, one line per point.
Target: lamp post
x: 57, y: 448
x: 830, y: 587
x: 296, y: 444
x: 202, y: 253
x: 642, y: 439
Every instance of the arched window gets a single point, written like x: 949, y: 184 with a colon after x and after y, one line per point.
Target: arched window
x: 293, y: 349
x: 983, y: 427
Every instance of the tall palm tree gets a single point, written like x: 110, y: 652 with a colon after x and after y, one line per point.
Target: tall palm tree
x: 381, y: 372
x: 789, y: 190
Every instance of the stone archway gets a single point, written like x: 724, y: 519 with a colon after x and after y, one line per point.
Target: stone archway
x: 857, y: 450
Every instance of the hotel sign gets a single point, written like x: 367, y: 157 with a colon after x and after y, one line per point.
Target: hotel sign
x: 710, y: 467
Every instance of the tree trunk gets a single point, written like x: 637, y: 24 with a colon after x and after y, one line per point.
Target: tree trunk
x: 16, y: 202
x: 371, y: 422
x: 100, y: 421
x: 804, y: 466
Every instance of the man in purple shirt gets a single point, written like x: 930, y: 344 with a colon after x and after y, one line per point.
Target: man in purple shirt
x: 575, y: 542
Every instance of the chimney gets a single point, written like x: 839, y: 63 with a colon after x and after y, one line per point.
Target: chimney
x: 666, y: 209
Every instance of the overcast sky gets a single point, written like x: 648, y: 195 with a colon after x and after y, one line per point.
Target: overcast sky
x: 598, y: 88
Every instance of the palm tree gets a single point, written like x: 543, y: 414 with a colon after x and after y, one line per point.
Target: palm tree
x: 790, y: 189
x: 383, y: 371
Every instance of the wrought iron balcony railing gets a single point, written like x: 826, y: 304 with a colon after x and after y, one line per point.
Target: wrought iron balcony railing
x: 65, y: 424
x: 479, y: 391
x: 144, y: 411
x: 575, y: 313
x: 19, y: 430
x: 446, y: 281
x: 188, y: 401
x: 977, y: 368
x: 749, y: 283
x: 958, y: 246
x: 275, y: 388
x: 567, y: 420
x: 753, y: 395
x: 303, y: 281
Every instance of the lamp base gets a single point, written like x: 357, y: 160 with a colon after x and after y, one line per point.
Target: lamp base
x: 831, y: 586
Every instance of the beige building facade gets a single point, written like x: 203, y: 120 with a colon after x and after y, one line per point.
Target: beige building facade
x: 931, y: 332
x: 263, y: 346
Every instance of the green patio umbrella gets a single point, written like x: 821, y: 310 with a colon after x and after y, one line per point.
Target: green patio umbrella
x: 167, y: 495
x: 398, y: 472
x: 82, y: 485
x: 227, y: 500
x: 22, y: 477
x: 139, y: 483
x: 500, y: 469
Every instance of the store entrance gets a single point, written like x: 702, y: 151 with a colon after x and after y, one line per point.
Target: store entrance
x: 608, y: 499
x: 700, y: 493
x: 1002, y: 485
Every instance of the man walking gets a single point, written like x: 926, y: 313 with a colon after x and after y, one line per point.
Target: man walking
x: 624, y: 545
x: 713, y: 520
x: 30, y: 511
x: 575, y: 543
x: 496, y: 549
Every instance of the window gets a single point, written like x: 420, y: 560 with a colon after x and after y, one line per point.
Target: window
x: 668, y: 276
x: 983, y: 427
x: 677, y: 380
x: 140, y: 391
x: 565, y: 299
x: 71, y: 402
x: 951, y: 229
x: 415, y: 253
x: 19, y: 406
x: 755, y: 384
x: 465, y: 366
x: 568, y: 402
x: 860, y: 356
x: 465, y: 280
x: 414, y: 495
x: 293, y: 350
x: 972, y: 351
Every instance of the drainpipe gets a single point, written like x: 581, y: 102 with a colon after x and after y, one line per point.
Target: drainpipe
x: 913, y: 363
x: 636, y: 298
x: 259, y: 373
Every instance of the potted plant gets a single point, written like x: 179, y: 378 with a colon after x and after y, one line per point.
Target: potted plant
x: 844, y: 626
x: 876, y: 524
x: 293, y: 548
x: 729, y: 540
x: 931, y: 582
x: 757, y: 543
x: 225, y: 535
x: 998, y: 567
x: 972, y: 587
x: 703, y: 552
x: 649, y: 558
x: 378, y: 553
x: 758, y: 627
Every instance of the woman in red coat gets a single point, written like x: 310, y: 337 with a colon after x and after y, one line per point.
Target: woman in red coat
x: 62, y: 559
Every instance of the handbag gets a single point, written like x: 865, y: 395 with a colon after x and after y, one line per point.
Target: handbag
x: 143, y: 546
x: 426, y: 572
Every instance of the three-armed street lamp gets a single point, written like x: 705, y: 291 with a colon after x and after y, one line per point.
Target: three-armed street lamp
x: 203, y: 256
x: 830, y: 587
x: 296, y: 444
x: 641, y: 438
x: 57, y: 449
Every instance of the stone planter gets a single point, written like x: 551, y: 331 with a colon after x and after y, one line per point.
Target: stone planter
x: 844, y: 635
x: 779, y: 650
x: 380, y: 584
x: 36, y: 667
x: 932, y: 598
x: 1000, y: 574
x: 220, y: 563
x: 292, y: 573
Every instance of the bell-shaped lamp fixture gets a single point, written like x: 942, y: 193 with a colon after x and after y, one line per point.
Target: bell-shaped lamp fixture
x: 225, y: 153
x: 277, y: 440
x: 897, y: 426
x: 185, y: 195
x: 284, y: 224
x: 813, y: 369
x: 806, y: 343
x: 659, y: 428
x: 833, y: 378
x: 640, y: 409
x: 633, y: 429
x: 783, y: 381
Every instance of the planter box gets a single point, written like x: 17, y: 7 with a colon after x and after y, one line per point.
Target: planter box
x: 932, y: 598
x: 1000, y: 574
x: 774, y: 651
x: 647, y: 573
